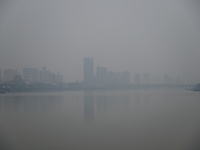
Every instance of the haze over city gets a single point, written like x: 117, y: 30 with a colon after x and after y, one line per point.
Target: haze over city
x: 155, y: 37
x: 99, y: 74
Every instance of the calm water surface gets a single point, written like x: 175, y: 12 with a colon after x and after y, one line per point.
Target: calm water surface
x: 100, y: 120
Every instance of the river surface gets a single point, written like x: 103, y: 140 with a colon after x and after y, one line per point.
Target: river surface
x: 100, y: 120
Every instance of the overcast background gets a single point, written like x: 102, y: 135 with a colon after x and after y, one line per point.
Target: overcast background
x: 156, y: 37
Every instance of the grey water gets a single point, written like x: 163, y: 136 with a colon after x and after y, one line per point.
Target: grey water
x: 100, y: 120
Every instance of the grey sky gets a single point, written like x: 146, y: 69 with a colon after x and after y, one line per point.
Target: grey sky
x: 158, y: 37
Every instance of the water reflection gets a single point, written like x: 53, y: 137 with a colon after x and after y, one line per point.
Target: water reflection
x: 88, y: 105
x: 102, y: 104
x: 115, y: 119
x: 29, y: 104
x: 97, y: 104
x: 12, y: 104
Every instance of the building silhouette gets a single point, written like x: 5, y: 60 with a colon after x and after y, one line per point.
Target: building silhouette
x: 41, y: 77
x: 46, y: 75
x: 126, y: 78
x: 88, y: 71
x: 34, y: 75
x: 88, y: 106
x: 101, y: 76
x: 58, y: 77
x: 31, y: 74
x: 18, y: 81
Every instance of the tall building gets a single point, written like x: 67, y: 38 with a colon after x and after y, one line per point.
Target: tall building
x: 41, y: 77
x: 137, y: 79
x: 101, y: 76
x: 53, y: 77
x: 46, y: 75
x: 88, y: 106
x: 59, y: 78
x: 31, y: 74
x: 88, y: 71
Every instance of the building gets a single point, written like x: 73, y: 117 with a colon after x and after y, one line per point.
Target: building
x: 101, y: 76
x: 18, y: 81
x: 59, y: 78
x: 111, y: 78
x: 137, y: 79
x: 9, y: 74
x: 41, y: 76
x: 53, y: 78
x: 126, y: 78
x: 46, y: 75
x: 88, y: 71
x: 88, y: 106
x: 31, y: 74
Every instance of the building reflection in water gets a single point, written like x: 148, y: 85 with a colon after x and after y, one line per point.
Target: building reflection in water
x: 44, y: 104
x: 97, y: 104
x: 29, y: 104
x: 88, y: 105
x: 10, y: 104
x: 102, y: 102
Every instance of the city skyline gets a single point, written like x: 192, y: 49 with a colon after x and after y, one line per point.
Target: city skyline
x: 31, y: 75
x: 101, y: 76
x: 129, y: 35
x: 160, y: 77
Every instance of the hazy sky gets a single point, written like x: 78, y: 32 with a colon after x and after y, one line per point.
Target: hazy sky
x: 157, y: 37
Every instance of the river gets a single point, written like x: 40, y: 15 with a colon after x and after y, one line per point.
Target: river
x: 100, y: 120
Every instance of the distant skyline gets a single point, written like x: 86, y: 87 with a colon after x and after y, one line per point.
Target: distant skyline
x: 140, y: 36
x: 91, y: 75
